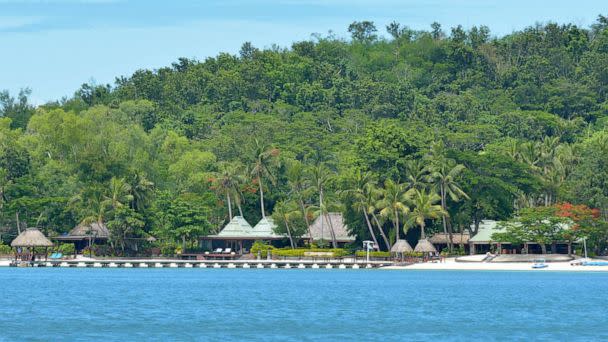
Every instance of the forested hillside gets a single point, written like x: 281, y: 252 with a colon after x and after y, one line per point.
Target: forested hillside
x: 432, y: 129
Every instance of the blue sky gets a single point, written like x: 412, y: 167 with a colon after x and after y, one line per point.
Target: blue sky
x: 53, y: 46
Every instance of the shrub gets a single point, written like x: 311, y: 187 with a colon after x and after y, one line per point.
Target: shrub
x: 374, y: 254
x: 97, y: 250
x: 262, y: 248
x: 457, y: 251
x: 168, y: 249
x: 301, y: 252
x: 88, y: 251
x: 414, y: 254
x: 66, y: 249
x: 5, y: 249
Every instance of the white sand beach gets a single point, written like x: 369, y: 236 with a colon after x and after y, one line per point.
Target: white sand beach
x: 451, y: 264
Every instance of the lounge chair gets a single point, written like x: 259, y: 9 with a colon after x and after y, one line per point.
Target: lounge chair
x: 56, y: 256
x: 218, y: 250
x: 227, y: 250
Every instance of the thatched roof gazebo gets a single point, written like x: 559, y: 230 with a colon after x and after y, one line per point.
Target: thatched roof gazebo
x: 425, y: 246
x: 401, y: 246
x: 30, y: 239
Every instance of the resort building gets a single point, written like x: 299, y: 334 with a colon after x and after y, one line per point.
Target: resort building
x: 238, y: 236
x: 322, y: 227
x: 482, y: 242
x: 85, y: 235
x: 459, y: 240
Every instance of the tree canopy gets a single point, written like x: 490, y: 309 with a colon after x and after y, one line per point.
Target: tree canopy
x: 521, y: 119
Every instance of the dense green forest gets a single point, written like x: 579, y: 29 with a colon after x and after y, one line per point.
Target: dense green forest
x: 420, y: 132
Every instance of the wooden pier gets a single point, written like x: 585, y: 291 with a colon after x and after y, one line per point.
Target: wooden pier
x: 247, y: 264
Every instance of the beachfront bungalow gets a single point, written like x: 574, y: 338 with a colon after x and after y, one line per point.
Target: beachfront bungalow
x: 85, y: 235
x: 482, y: 242
x: 239, y: 236
x: 321, y: 229
x: 459, y: 240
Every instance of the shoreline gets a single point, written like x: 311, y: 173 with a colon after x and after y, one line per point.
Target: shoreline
x: 451, y: 264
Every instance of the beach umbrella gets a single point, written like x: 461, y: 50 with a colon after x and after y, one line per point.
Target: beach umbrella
x: 401, y: 246
x: 425, y: 246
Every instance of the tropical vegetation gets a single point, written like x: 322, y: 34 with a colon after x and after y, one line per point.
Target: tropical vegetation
x: 407, y: 134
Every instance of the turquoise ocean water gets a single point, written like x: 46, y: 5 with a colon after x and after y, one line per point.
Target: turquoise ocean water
x: 299, y: 305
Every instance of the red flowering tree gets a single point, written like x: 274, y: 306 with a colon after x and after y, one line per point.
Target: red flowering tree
x: 586, y: 223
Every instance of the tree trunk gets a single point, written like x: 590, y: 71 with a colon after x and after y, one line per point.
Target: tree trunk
x: 240, y: 210
x: 450, y: 234
x: 396, y: 226
x: 384, y: 237
x: 444, y: 219
x: 229, y: 206
x: 543, y: 248
x: 334, y: 243
x: 261, y: 196
x: 371, y: 231
x: 289, y: 234
x: 183, y: 243
x: 422, y: 234
x: 306, y: 221
x: 18, y: 223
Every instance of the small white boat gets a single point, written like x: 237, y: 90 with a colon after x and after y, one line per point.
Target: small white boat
x: 539, y: 263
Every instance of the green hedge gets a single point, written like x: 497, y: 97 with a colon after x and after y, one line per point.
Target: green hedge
x: 374, y: 254
x: 300, y: 252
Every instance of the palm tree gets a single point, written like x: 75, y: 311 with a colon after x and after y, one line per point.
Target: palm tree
x: 118, y: 194
x: 424, y: 207
x: 372, y: 198
x: 321, y: 175
x: 265, y: 157
x: 360, y: 182
x: 300, y: 188
x: 141, y: 189
x: 444, y: 174
x: 393, y: 203
x: 227, y: 181
x: 284, y: 212
x: 416, y: 174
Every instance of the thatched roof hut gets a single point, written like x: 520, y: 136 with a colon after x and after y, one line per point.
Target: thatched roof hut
x: 31, y: 237
x: 401, y: 246
x: 443, y: 238
x: 321, y: 228
x: 96, y: 229
x: 425, y: 246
